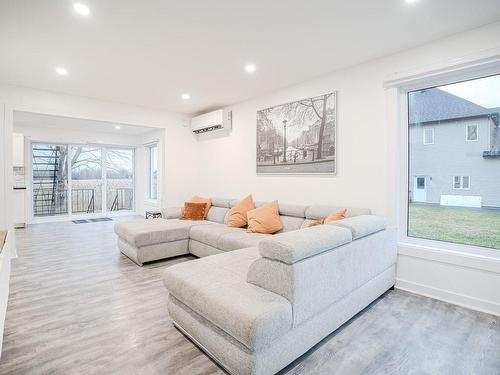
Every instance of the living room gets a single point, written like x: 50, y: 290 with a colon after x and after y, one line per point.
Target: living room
x: 350, y: 215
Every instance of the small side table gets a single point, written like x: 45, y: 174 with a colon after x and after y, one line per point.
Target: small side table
x: 153, y: 214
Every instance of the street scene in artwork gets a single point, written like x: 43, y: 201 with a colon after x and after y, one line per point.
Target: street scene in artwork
x: 298, y: 137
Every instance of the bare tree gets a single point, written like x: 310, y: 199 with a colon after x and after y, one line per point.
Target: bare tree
x: 315, y: 107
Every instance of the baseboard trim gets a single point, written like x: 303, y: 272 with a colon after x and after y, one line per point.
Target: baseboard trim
x: 473, y: 303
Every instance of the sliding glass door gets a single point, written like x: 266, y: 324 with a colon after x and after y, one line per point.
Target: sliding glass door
x: 119, y: 179
x: 86, y: 179
x: 50, y: 179
x: 76, y: 180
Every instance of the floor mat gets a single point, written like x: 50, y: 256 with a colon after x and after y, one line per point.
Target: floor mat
x: 99, y: 219
x: 80, y: 221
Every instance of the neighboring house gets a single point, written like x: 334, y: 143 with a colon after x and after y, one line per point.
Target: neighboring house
x: 454, y: 150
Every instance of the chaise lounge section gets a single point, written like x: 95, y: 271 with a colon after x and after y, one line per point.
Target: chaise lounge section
x: 255, y: 310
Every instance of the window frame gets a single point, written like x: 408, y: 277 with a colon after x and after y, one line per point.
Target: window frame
x: 424, y: 186
x: 397, y: 86
x: 467, y: 133
x: 424, y: 138
x: 401, y: 95
x: 149, y: 171
x: 461, y: 180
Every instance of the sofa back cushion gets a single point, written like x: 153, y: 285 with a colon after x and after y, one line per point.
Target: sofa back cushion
x: 218, y: 214
x: 290, y: 223
x: 218, y: 211
x: 293, y: 216
x: 362, y: 225
x: 221, y: 202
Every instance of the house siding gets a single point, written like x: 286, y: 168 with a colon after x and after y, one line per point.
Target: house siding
x: 451, y: 155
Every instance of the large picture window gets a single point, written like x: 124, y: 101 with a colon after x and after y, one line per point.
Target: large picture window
x: 454, y: 186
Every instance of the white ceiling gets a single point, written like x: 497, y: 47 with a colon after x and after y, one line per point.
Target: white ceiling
x: 22, y: 119
x: 149, y: 52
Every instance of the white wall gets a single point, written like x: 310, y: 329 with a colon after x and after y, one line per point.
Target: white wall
x: 368, y: 161
x: 50, y: 134
x: 367, y: 171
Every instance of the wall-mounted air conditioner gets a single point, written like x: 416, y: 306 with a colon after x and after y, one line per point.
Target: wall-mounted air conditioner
x: 211, y: 122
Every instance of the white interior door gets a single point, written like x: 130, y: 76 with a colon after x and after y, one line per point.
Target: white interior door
x: 420, y: 189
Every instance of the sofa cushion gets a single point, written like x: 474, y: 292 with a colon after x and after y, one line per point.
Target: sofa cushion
x: 362, y: 225
x: 217, y: 214
x: 290, y: 223
x: 171, y: 212
x: 153, y: 231
x: 207, y: 201
x: 294, y: 210
x: 239, y: 240
x: 215, y: 287
x: 210, y: 234
x: 291, y: 247
x: 221, y: 202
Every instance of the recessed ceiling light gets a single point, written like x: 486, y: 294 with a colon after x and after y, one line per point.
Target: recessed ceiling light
x: 118, y: 127
x: 61, y: 71
x: 250, y: 68
x: 410, y: 1
x: 186, y: 96
x: 81, y: 9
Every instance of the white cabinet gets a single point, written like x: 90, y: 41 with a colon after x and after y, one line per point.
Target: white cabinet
x: 18, y: 150
x: 19, y: 195
x: 19, y: 208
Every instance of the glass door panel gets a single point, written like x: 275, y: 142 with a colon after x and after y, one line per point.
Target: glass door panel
x: 50, y: 179
x: 86, y: 179
x: 119, y: 179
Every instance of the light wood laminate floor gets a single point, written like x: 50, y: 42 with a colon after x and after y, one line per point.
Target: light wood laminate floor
x: 77, y: 306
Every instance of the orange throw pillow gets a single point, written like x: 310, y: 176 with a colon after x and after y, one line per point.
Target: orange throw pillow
x: 336, y: 216
x: 339, y: 215
x: 193, y: 211
x: 238, y: 214
x: 265, y: 219
x: 314, y: 223
x: 207, y: 201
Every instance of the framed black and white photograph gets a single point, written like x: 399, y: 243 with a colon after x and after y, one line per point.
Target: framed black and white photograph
x: 298, y: 137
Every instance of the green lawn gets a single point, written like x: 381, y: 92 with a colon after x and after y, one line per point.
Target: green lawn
x: 453, y: 224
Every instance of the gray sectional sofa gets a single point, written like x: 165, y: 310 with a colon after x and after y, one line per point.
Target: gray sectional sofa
x: 153, y: 239
x: 262, y: 301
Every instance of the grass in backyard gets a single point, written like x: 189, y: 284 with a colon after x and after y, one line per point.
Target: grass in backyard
x: 453, y: 224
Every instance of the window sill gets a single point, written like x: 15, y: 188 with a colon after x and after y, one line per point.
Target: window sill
x: 483, y: 259
x: 151, y: 202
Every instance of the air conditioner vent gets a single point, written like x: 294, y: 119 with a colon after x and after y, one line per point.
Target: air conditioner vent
x: 211, y: 122
x: 209, y: 129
